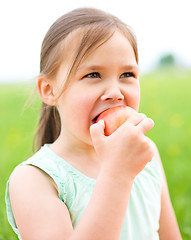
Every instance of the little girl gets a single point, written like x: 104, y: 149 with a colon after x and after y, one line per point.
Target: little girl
x: 81, y: 184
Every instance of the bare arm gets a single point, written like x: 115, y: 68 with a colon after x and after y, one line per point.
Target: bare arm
x: 169, y: 229
x: 39, y: 212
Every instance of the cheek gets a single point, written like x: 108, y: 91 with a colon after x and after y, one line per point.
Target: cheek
x: 78, y: 108
x: 133, y: 97
x: 81, y: 104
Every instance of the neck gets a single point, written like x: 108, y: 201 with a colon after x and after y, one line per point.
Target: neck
x: 79, y: 154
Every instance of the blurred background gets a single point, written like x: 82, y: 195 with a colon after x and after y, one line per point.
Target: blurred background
x: 164, y: 37
x: 162, y: 28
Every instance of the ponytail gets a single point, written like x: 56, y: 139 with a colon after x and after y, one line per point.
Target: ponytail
x: 49, y: 126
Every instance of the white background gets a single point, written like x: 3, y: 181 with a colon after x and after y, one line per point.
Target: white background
x: 161, y: 27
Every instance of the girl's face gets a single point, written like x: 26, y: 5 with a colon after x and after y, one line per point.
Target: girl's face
x: 108, y: 77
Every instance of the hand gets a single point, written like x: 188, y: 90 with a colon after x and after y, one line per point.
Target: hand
x: 125, y: 152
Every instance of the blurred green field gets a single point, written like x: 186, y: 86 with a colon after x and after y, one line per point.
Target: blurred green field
x: 165, y: 97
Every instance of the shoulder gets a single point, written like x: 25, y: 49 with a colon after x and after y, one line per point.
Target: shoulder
x: 35, y: 204
x: 155, y: 151
x: 41, y: 168
x: 26, y: 178
x: 158, y: 160
x: 168, y: 224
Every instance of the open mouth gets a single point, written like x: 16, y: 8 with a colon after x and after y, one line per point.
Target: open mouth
x: 95, y: 119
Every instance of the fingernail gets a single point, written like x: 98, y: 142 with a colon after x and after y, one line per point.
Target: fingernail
x: 101, y: 121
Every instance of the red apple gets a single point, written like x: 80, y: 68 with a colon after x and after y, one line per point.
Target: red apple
x: 115, y: 117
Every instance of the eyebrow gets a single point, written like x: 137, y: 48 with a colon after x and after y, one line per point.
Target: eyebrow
x: 129, y: 67
x: 90, y: 67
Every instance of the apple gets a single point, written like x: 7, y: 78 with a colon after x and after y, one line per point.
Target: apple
x: 115, y: 117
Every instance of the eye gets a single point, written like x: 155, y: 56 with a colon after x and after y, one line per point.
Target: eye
x: 92, y: 75
x: 127, y: 75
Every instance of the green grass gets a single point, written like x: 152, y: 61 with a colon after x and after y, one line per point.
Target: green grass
x: 165, y: 97
x: 17, y: 126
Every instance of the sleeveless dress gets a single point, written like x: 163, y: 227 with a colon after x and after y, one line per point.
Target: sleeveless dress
x: 142, y: 217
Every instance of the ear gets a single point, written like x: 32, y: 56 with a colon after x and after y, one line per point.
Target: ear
x: 45, y: 90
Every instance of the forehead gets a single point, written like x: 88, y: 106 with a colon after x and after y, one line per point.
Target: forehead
x: 117, y: 49
x: 78, y: 45
x: 80, y: 49
x: 83, y: 41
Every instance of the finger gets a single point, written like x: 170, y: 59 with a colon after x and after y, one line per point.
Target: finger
x: 136, y: 119
x: 97, y: 131
x: 145, y: 125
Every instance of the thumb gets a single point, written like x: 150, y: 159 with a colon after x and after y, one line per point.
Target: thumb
x: 97, y: 132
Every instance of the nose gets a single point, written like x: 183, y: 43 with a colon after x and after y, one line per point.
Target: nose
x: 112, y: 93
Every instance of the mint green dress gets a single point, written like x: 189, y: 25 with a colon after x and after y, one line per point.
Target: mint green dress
x: 142, y: 217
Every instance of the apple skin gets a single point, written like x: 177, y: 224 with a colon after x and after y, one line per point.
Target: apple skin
x: 115, y: 117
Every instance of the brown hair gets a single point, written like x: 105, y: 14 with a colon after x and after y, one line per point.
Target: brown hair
x: 96, y: 27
